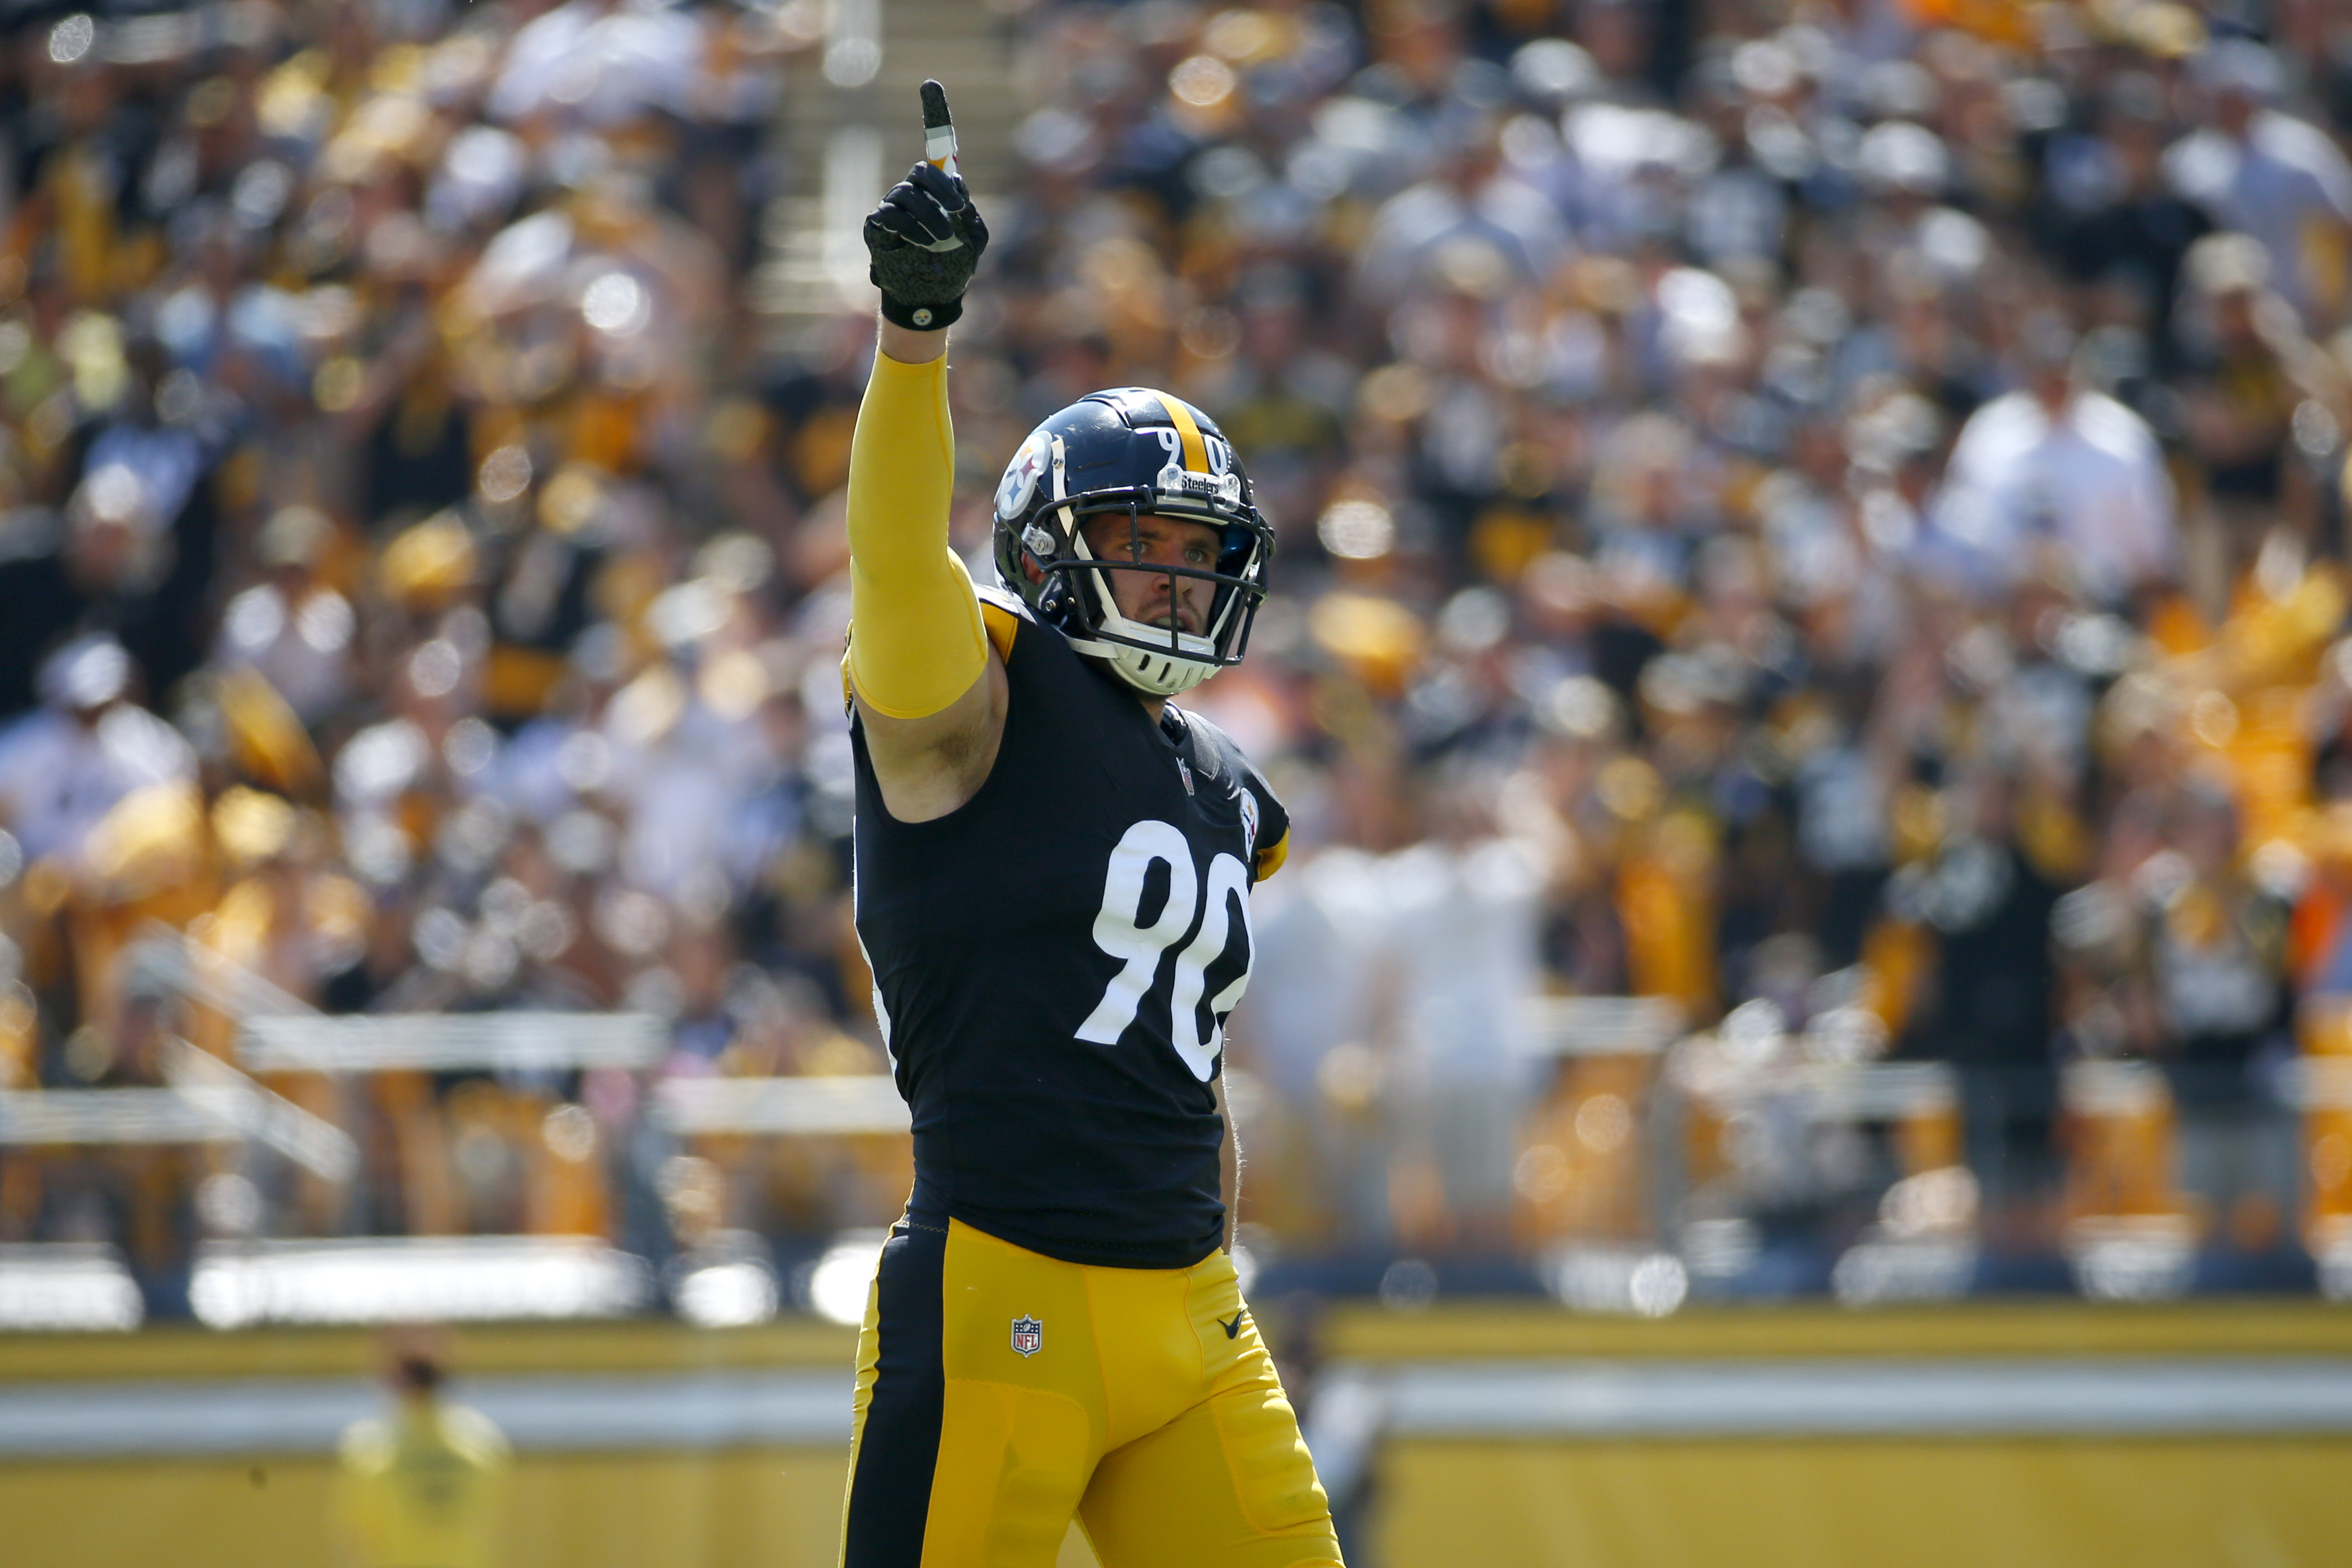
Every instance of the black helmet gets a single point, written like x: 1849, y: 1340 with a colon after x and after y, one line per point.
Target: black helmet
x: 1131, y: 450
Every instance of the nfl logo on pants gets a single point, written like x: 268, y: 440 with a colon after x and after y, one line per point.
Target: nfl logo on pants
x: 1028, y: 1335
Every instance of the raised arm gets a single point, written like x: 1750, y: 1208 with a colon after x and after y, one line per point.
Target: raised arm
x: 929, y: 690
x: 916, y: 640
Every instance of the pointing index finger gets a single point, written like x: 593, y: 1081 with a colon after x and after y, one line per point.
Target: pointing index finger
x: 938, y: 131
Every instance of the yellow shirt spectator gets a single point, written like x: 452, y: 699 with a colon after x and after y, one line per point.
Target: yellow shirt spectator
x: 422, y: 1489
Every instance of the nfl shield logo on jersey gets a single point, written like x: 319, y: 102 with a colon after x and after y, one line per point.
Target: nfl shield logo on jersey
x: 1028, y: 1335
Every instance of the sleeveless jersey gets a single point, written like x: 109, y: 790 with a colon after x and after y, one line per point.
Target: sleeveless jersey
x: 1054, y: 962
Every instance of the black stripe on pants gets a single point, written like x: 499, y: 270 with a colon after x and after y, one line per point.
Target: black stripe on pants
x: 890, y: 1495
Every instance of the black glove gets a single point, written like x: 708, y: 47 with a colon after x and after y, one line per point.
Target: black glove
x: 925, y: 238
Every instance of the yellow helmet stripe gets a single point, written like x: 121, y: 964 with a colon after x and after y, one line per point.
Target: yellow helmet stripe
x: 1188, y: 430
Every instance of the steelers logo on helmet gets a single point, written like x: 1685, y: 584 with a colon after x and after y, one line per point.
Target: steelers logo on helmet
x: 1132, y: 451
x: 1018, y: 485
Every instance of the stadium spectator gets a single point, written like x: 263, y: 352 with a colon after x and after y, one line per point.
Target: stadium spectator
x: 2060, y: 462
x: 425, y: 1486
x: 2270, y: 173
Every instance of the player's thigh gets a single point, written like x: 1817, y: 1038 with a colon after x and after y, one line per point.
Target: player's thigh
x: 900, y: 1399
x: 1228, y: 1484
x: 1022, y: 1424
x: 948, y: 1470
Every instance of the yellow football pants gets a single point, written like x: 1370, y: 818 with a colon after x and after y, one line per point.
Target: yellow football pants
x: 1000, y: 1393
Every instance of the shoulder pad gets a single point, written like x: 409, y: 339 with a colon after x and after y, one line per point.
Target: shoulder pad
x: 1221, y: 751
x: 992, y: 596
x: 1001, y: 614
x: 1270, y: 859
x: 1220, y: 755
x: 1213, y: 748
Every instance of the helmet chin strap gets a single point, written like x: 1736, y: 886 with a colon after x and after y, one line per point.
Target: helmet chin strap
x: 1153, y: 674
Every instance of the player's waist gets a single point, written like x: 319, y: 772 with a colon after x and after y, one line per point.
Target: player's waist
x: 1176, y: 1229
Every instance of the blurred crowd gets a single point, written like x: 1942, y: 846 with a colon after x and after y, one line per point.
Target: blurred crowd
x: 1832, y: 515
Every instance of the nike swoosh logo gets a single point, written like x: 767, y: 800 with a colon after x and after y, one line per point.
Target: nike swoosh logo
x: 1234, y: 1328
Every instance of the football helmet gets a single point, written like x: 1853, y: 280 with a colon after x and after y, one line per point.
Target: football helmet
x: 1131, y: 450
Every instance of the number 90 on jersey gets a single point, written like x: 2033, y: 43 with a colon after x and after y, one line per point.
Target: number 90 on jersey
x: 1119, y: 930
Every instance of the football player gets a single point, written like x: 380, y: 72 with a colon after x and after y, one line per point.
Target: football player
x: 1054, y: 872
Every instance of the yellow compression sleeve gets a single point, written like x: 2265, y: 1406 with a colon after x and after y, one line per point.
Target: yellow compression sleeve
x: 916, y: 640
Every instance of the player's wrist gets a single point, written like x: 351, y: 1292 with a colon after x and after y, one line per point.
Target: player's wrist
x: 910, y: 346
x: 922, y: 316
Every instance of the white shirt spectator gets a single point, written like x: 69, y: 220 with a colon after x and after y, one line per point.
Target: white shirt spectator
x: 1463, y: 958
x: 2286, y: 184
x: 2092, y: 480
x: 302, y: 649
x: 1464, y: 955
x: 696, y: 796
x: 1414, y: 228
x: 1841, y: 811
x: 1317, y: 930
x: 59, y: 777
x: 686, y: 791
x: 1629, y: 168
x: 605, y: 65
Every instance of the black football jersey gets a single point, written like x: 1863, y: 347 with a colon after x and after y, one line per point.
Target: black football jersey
x: 1054, y: 962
